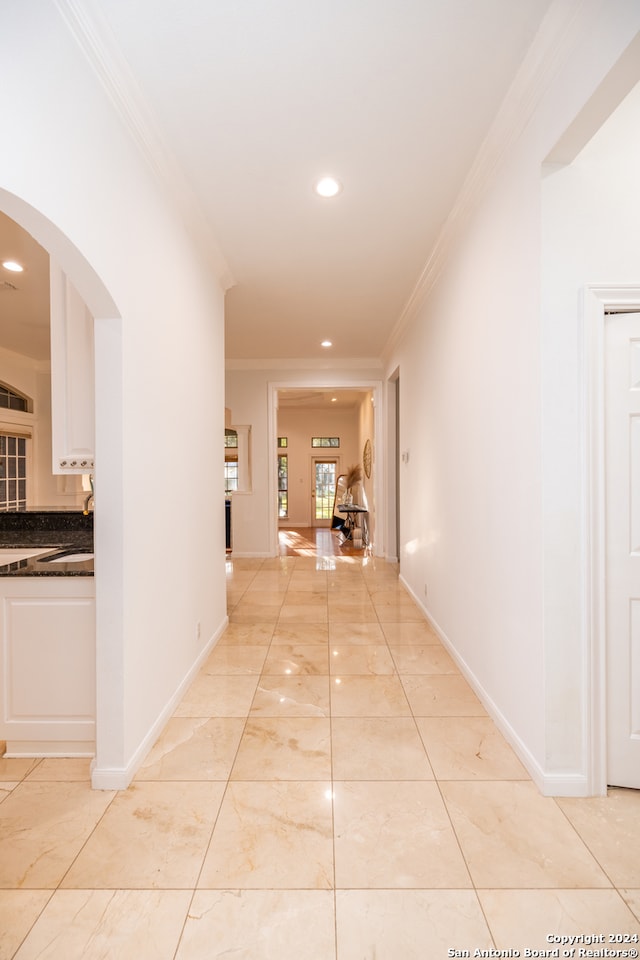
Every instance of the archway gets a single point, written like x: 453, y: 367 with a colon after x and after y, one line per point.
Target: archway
x: 108, y: 440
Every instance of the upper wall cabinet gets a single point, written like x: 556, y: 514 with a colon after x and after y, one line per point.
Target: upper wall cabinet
x: 72, y: 378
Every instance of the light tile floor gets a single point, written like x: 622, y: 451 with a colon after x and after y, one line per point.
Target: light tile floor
x: 330, y: 788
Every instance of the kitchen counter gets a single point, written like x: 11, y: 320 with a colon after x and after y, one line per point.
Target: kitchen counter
x: 47, y: 634
x: 56, y: 532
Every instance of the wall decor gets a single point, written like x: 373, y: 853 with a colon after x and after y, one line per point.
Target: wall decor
x: 366, y: 459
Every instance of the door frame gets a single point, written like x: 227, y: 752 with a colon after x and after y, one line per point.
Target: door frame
x: 322, y: 381
x: 597, y: 300
x: 392, y: 446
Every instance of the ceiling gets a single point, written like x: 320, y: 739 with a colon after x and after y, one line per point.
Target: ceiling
x: 24, y: 297
x: 320, y: 399
x: 253, y: 100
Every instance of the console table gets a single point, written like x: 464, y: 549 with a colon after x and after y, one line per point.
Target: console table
x: 353, y: 511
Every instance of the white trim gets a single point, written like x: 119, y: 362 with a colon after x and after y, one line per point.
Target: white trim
x: 284, y: 524
x: 391, y: 445
x: 551, y: 47
x: 595, y: 301
x: 272, y: 479
x: 119, y: 778
x: 306, y: 363
x: 64, y: 749
x: 607, y: 97
x: 547, y: 786
x: 249, y: 555
x: 89, y: 27
x: 380, y: 528
x: 557, y: 784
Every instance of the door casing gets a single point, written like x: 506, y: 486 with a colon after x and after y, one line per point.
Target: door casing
x: 622, y: 547
x: 596, y: 301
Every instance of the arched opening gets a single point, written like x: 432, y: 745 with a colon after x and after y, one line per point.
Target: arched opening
x: 108, y: 439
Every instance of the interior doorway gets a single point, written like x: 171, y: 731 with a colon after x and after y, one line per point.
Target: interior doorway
x: 613, y: 597
x: 342, y: 421
x: 393, y: 462
x: 622, y: 546
x: 108, y: 426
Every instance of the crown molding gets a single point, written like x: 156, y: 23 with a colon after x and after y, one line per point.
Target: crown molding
x: 361, y: 363
x: 556, y: 37
x: 93, y: 35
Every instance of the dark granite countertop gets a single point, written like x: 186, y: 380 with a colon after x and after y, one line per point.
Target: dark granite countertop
x: 56, y: 532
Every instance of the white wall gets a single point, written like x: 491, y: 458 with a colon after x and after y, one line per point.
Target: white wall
x: 481, y: 491
x: 591, y: 217
x: 72, y: 175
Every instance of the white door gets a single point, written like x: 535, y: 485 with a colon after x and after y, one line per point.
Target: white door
x: 622, y: 556
x: 323, y: 489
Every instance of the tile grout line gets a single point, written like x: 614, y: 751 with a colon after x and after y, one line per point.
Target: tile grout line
x: 442, y: 799
x: 438, y: 782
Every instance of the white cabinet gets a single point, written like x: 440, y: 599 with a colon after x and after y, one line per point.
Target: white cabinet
x: 47, y: 644
x: 72, y: 377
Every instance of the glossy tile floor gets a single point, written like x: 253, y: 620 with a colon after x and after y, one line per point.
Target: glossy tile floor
x: 329, y: 789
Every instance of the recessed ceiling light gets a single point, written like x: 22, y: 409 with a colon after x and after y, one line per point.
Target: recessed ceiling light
x: 13, y: 266
x: 328, y: 187
x: 334, y: 399
x: 326, y: 343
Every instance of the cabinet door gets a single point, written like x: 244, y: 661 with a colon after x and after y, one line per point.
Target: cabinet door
x: 47, y: 646
x: 72, y: 377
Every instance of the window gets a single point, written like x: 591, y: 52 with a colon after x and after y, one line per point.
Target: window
x: 325, y: 488
x: 325, y: 441
x: 12, y: 401
x: 237, y: 460
x: 230, y: 461
x: 13, y: 473
x: 283, y: 442
x: 230, y: 476
x: 283, y: 485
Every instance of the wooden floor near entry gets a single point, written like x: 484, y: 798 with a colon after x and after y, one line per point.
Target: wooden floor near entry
x: 314, y: 542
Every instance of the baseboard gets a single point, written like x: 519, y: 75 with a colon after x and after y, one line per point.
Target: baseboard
x: 111, y: 778
x: 565, y: 785
x: 549, y: 784
x: 65, y: 749
x: 119, y: 778
x: 248, y: 555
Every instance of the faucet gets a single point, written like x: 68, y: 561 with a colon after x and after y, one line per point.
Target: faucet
x: 89, y: 497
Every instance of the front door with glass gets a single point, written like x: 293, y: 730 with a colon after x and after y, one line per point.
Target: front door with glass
x: 324, y: 475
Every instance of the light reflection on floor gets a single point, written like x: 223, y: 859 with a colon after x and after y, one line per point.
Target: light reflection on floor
x: 316, y: 542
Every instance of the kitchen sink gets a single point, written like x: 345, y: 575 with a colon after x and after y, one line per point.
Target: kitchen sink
x: 16, y: 554
x: 69, y: 558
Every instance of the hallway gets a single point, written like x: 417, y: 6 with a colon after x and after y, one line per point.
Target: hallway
x: 329, y: 787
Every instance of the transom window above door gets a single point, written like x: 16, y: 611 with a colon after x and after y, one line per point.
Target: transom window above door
x: 10, y: 400
x: 325, y: 441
